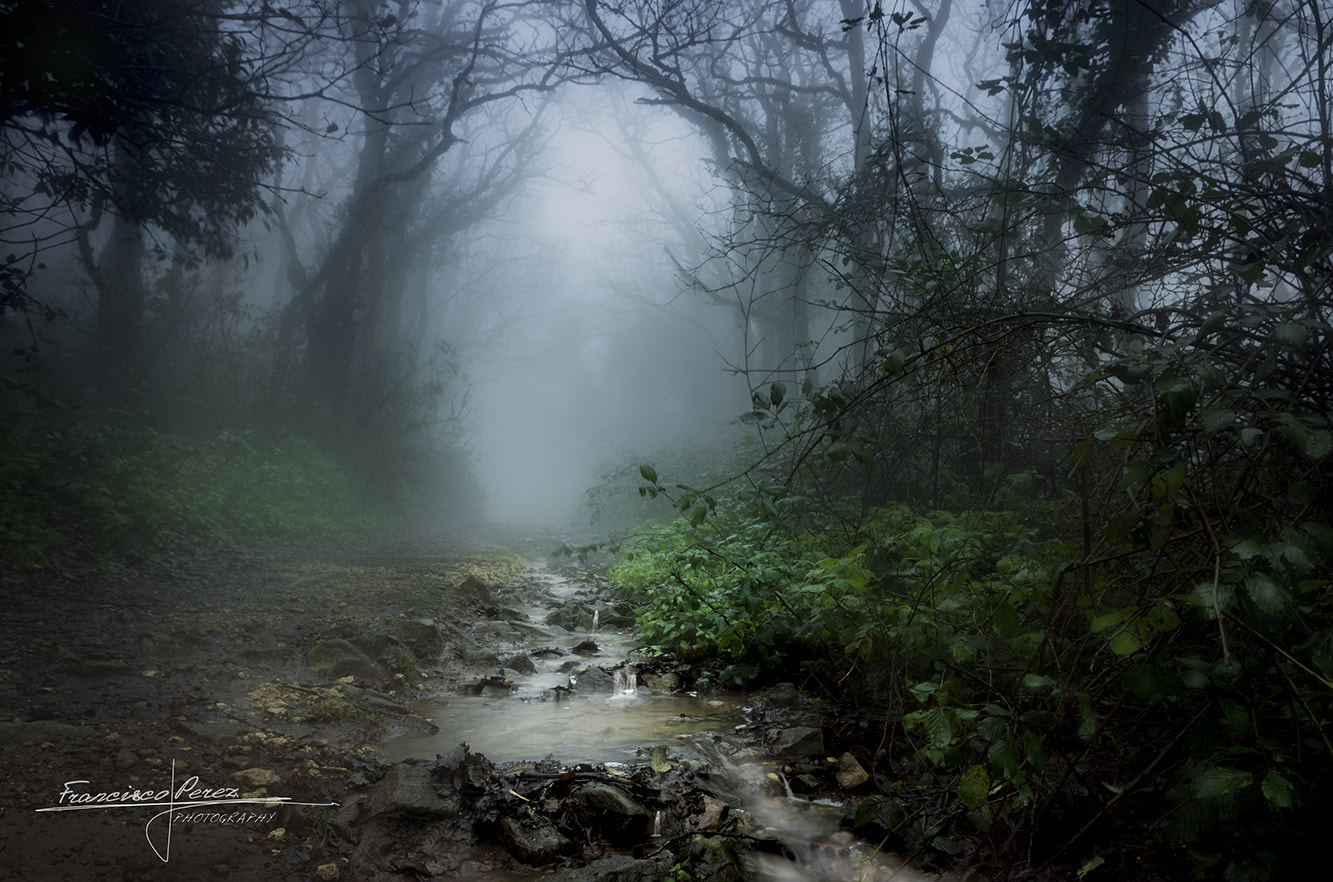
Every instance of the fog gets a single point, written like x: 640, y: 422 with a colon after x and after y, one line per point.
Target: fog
x: 482, y: 256
x: 594, y: 356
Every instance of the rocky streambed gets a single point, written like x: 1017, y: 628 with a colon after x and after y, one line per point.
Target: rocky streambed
x: 423, y: 713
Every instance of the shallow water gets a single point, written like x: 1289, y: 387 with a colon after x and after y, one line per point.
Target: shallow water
x: 619, y: 725
x: 580, y: 728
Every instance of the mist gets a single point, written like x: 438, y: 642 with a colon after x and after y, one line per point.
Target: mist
x: 961, y: 370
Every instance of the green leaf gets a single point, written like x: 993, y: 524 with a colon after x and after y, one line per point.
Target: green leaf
x: 1003, y: 756
x: 1035, y: 750
x: 947, y: 845
x: 1217, y: 781
x: 1277, y: 790
x: 1125, y: 643
x: 1318, y: 445
x: 1149, y: 683
x: 1292, y: 335
x: 1216, y: 419
x: 939, y: 726
x: 1266, y: 593
x: 649, y: 473
x: 659, y: 761
x: 1101, y: 623
x: 1309, y: 159
x: 1036, y: 682
x: 974, y: 787
x: 992, y: 728
x: 776, y: 393
x: 1006, y: 621
x: 866, y: 811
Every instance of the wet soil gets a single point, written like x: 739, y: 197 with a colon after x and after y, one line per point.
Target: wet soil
x: 191, y: 676
x: 217, y: 717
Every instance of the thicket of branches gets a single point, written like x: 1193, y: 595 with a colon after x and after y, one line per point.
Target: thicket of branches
x: 1041, y: 362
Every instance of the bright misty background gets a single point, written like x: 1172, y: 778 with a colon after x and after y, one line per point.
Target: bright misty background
x: 971, y: 358
x: 484, y: 260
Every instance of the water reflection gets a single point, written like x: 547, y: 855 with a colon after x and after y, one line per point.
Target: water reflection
x: 579, y: 728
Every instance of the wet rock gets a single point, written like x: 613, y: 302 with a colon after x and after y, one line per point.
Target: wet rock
x: 714, y: 814
x: 380, y: 704
x: 410, y: 790
x: 491, y: 687
x: 798, y: 741
x: 710, y: 857
x: 616, y: 617
x: 422, y: 637
x: 611, y: 812
x: 587, y: 647
x: 850, y: 773
x: 473, y: 653
x: 377, y: 644
x: 475, y: 590
x: 615, y: 868
x: 592, y: 679
x: 338, y: 658
x: 520, y: 663
x: 781, y: 695
x: 533, y: 841
x: 125, y: 758
x: 668, y: 682
x: 572, y: 616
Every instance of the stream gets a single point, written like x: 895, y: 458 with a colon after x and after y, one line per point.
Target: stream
x: 549, y: 713
x: 579, y: 701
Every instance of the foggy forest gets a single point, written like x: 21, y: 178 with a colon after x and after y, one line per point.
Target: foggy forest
x: 966, y: 364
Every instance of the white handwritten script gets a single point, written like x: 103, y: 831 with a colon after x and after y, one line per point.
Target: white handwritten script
x: 179, y: 803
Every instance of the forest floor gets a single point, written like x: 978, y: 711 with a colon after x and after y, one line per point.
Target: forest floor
x: 129, y: 695
x: 187, y: 681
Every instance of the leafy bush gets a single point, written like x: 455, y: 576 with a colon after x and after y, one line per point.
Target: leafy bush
x: 763, y: 594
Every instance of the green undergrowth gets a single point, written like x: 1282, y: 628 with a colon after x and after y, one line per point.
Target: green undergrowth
x: 115, y: 486
x: 765, y: 597
x: 1044, y: 702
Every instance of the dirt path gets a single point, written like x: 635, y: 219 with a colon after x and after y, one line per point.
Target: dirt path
x: 192, y: 683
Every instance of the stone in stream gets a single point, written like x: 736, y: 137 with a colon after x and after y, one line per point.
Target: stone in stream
x: 798, y: 741
x: 665, y: 682
x: 612, y: 813
x: 710, y: 857
x: 533, y: 841
x: 520, y: 663
x: 850, y: 773
x: 572, y: 616
x: 592, y: 679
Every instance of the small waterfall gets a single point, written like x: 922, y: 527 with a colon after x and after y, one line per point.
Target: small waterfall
x: 596, y: 614
x: 656, y: 832
x: 627, y: 680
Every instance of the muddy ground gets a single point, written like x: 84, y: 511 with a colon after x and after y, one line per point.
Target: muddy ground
x: 251, y: 687
x: 195, y: 671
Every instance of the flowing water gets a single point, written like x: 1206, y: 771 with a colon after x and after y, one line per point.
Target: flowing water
x: 549, y: 713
